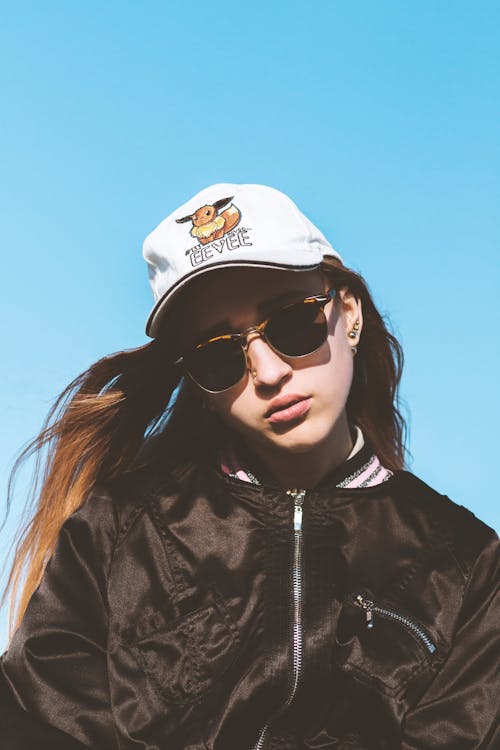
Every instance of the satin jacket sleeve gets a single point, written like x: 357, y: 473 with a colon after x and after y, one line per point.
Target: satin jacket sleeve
x: 461, y: 708
x: 53, y: 677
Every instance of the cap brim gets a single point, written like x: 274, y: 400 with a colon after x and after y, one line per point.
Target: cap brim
x: 158, y: 313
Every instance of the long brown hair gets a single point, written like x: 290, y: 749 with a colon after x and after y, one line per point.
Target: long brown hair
x: 133, y: 408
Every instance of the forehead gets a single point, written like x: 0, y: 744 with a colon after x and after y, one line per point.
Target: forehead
x: 235, y: 298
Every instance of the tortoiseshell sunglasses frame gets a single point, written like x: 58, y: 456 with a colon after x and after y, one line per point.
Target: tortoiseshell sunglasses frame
x: 259, y: 329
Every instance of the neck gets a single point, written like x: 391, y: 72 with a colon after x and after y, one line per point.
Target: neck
x: 305, y: 470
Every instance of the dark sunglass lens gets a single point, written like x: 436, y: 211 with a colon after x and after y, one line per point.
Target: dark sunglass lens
x: 297, y: 330
x: 217, y: 365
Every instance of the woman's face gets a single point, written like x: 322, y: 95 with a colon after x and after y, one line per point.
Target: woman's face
x: 232, y: 300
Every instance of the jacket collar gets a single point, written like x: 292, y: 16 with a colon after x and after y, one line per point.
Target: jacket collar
x: 362, y: 468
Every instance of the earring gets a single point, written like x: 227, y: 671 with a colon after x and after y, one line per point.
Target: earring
x: 354, y: 350
x: 254, y: 373
x: 352, y: 334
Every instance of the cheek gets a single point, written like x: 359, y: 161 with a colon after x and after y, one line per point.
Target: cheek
x: 235, y: 406
x: 331, y: 377
x: 332, y: 364
x: 341, y: 355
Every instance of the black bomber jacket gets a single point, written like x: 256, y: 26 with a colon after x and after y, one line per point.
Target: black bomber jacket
x: 192, y: 611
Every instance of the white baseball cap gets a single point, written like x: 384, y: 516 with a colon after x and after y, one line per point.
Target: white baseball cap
x: 223, y: 226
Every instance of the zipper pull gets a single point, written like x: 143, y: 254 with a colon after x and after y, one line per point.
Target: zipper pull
x: 298, y: 500
x: 368, y: 607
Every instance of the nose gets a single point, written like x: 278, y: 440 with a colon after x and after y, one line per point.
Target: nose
x: 269, y: 367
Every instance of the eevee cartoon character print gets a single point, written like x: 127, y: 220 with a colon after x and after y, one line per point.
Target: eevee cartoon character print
x: 219, y: 230
x: 208, y: 224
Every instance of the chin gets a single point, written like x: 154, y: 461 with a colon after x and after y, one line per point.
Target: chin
x: 301, y: 437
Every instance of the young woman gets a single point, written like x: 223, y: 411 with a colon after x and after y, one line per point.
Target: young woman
x: 227, y: 553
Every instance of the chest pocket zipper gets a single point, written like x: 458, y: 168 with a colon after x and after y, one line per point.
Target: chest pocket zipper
x: 371, y: 609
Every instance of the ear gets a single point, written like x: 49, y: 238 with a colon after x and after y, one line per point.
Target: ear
x: 351, y: 311
x: 222, y: 202
x: 184, y: 219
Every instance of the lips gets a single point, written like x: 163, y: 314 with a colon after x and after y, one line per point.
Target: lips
x: 290, y: 406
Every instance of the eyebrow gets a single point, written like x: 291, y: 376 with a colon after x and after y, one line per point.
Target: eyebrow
x: 224, y: 326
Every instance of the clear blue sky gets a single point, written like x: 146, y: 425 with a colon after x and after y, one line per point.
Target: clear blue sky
x: 379, y: 118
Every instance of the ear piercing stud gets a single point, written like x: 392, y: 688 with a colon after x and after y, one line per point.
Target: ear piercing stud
x: 254, y: 373
x: 353, y: 334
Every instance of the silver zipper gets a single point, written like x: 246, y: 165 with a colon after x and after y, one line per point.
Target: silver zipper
x: 371, y: 608
x: 298, y: 501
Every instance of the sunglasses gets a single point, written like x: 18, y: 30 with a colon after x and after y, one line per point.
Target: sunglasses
x: 296, y: 330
